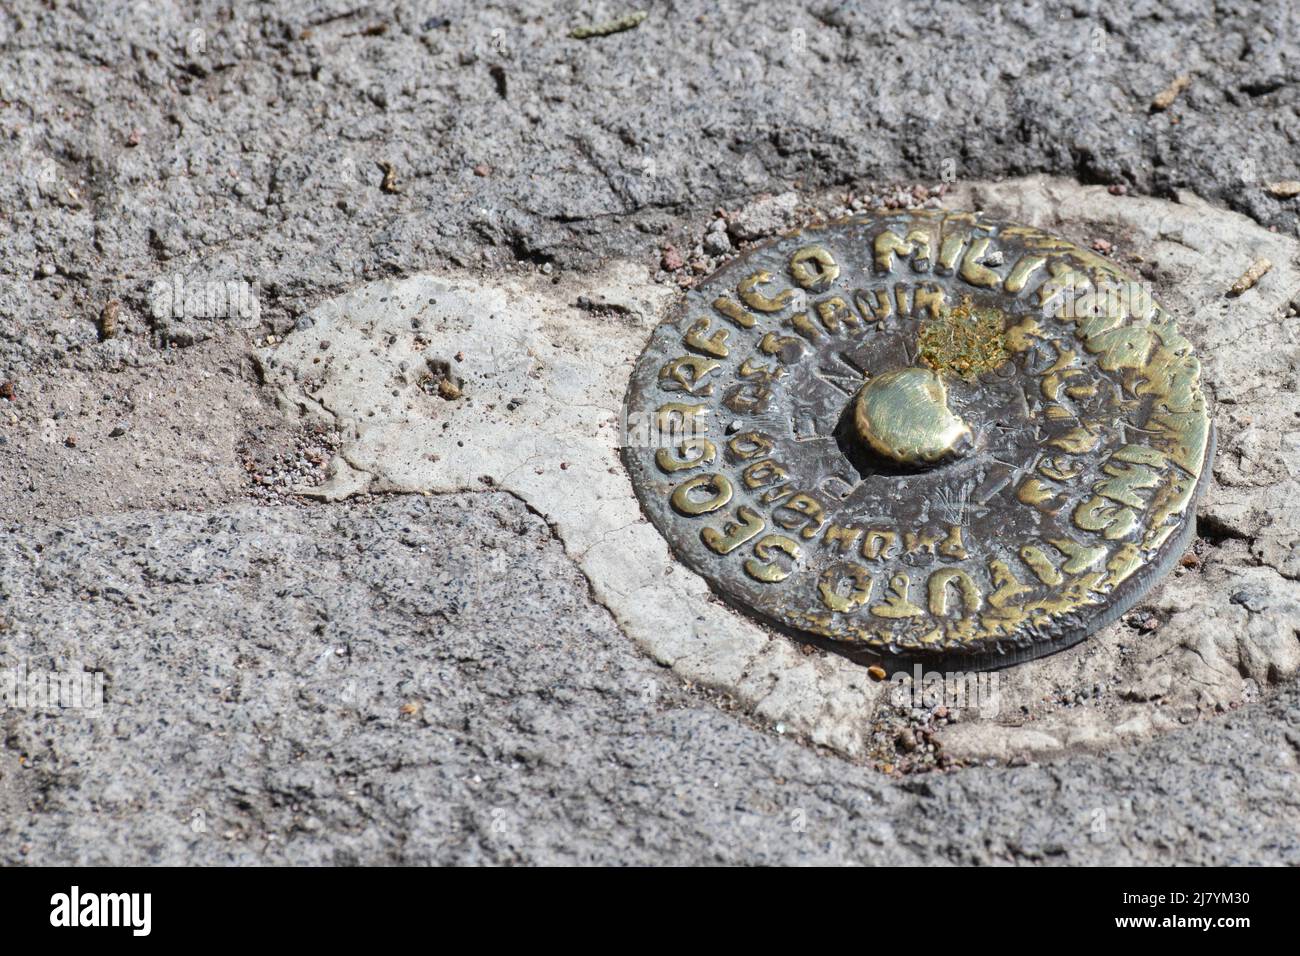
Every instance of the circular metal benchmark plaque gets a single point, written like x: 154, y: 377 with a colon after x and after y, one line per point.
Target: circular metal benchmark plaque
x: 922, y: 436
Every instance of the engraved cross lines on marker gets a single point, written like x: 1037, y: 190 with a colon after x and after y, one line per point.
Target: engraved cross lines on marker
x: 844, y: 371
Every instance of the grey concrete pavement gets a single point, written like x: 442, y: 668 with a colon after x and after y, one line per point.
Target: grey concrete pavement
x: 420, y: 680
x: 431, y: 679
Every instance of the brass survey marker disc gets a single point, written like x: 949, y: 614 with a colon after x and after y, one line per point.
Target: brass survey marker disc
x: 926, y: 436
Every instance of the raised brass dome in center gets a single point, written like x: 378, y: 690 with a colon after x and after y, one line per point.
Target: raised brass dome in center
x: 903, y: 415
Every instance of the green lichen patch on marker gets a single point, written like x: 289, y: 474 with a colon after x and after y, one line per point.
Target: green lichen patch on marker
x: 964, y: 341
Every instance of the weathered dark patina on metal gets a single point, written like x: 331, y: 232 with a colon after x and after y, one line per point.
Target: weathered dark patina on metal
x: 922, y: 436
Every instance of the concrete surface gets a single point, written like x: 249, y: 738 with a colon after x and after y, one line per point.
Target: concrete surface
x: 417, y: 680
x: 486, y: 714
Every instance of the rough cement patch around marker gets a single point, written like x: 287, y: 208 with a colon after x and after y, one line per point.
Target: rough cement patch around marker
x: 539, y: 415
x: 540, y: 381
